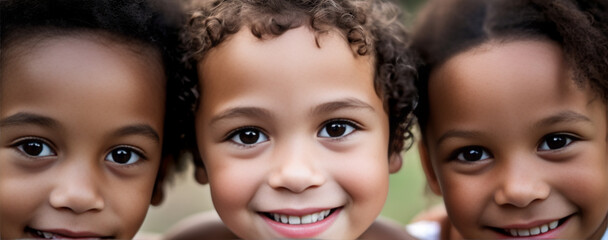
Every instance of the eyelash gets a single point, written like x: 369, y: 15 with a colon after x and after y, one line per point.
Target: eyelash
x: 132, y: 150
x: 234, y: 133
x: 356, y: 127
x: 18, y: 145
x: 485, y: 154
x: 21, y: 142
x: 261, y: 133
x: 570, y: 139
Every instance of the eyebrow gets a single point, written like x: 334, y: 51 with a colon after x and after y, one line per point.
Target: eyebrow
x: 138, y: 129
x: 457, y: 134
x: 23, y: 118
x: 562, y: 117
x: 263, y: 113
x: 347, y: 103
x: 236, y: 112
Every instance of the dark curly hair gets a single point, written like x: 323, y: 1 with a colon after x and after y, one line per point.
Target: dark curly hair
x: 370, y: 27
x: 451, y: 27
x: 143, y: 25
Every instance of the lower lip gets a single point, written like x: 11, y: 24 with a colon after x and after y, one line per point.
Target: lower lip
x: 302, y: 230
x: 551, y: 234
x: 65, y: 234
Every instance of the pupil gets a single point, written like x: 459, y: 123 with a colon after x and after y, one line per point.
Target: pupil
x: 336, y: 129
x: 472, y: 155
x: 33, y: 148
x: 249, y: 137
x: 121, y: 156
x: 556, y: 142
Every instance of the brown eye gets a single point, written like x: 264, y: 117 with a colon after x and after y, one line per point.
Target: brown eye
x: 35, y: 148
x: 248, y: 136
x: 555, y: 141
x: 124, y: 156
x: 336, y: 129
x: 472, y: 154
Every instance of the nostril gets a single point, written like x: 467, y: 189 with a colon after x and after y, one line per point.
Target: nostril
x: 296, y: 180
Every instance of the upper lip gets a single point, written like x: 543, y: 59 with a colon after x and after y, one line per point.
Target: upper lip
x: 529, y: 224
x: 534, y: 223
x: 298, y: 212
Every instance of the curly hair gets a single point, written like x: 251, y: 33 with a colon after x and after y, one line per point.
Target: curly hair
x: 143, y: 25
x: 370, y: 27
x: 451, y: 27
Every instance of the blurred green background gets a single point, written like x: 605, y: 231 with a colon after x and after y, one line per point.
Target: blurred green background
x: 408, y: 194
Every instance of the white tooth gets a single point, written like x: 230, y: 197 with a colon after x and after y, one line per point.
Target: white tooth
x: 321, y: 216
x: 284, y: 219
x: 553, y: 225
x: 307, y: 219
x: 294, y: 220
x: 276, y: 217
x: 523, y: 232
x: 47, y: 235
x: 326, y: 213
x: 534, y: 231
x: 514, y: 232
x: 314, y: 217
x: 544, y: 228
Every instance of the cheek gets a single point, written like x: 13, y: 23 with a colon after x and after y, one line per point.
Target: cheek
x: 130, y: 199
x: 21, y: 196
x: 586, y: 185
x: 464, y: 197
x: 233, y: 182
x: 365, y: 180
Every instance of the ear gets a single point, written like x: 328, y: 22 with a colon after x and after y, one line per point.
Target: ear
x: 395, y: 162
x: 427, y: 166
x: 158, y: 194
x: 200, y: 174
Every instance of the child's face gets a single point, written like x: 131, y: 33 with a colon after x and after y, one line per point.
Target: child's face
x: 80, y: 144
x: 516, y: 147
x: 293, y: 132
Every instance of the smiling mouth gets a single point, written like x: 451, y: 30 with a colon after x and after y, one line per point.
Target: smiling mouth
x: 298, y: 220
x: 533, y: 231
x: 50, y: 235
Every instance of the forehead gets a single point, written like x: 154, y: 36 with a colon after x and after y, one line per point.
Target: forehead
x: 292, y: 58
x: 503, y: 65
x: 294, y: 46
x: 37, y: 40
x: 504, y: 80
x: 79, y: 67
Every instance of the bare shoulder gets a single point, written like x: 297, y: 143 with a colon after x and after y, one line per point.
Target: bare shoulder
x: 207, y: 225
x: 384, y: 228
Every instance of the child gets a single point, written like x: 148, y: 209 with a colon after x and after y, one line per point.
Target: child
x: 82, y: 106
x: 303, y: 112
x: 513, y: 116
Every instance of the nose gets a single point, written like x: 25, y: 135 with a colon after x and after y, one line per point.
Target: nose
x: 521, y: 184
x: 296, y: 169
x: 77, y: 189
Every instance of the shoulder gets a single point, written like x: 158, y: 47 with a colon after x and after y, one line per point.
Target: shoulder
x: 433, y: 224
x: 426, y: 230
x: 207, y: 225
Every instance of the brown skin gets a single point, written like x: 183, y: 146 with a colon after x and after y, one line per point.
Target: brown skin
x: 97, y: 98
x: 514, y: 143
x: 274, y: 80
x: 210, y: 225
